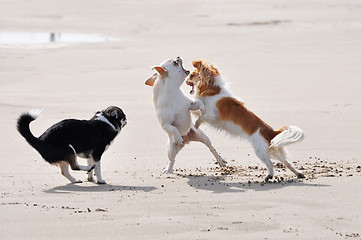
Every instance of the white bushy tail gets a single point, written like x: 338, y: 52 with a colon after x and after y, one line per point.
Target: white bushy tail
x: 291, y: 134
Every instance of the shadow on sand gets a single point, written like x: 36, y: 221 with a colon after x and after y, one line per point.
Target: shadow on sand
x: 219, y: 185
x: 71, y: 188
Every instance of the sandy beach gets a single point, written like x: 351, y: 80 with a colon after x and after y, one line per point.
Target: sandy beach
x: 291, y: 62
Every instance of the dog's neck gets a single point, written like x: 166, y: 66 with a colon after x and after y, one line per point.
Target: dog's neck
x: 101, y: 118
x: 162, y: 87
x: 219, y: 87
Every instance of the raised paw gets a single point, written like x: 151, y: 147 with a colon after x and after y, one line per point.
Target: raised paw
x: 197, y: 105
x: 178, y: 140
x: 202, y: 106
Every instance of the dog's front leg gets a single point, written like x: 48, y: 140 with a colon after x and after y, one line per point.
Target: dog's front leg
x: 173, y: 134
x: 197, y: 105
x: 97, y: 154
x: 90, y: 173
x: 98, y: 173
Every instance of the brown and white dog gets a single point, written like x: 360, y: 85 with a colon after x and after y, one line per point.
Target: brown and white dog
x: 173, y: 110
x: 224, y: 112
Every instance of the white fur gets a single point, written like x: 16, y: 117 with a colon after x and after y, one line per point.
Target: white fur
x: 101, y: 118
x: 123, y: 122
x: 290, y: 135
x: 172, y: 108
x: 34, y: 113
x: 98, y: 173
x: 261, y: 147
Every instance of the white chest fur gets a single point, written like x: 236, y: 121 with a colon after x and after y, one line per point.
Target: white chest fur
x: 172, y: 106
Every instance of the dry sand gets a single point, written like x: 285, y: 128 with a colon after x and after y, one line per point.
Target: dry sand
x: 292, y: 62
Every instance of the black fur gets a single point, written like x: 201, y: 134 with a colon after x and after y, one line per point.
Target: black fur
x: 87, y: 137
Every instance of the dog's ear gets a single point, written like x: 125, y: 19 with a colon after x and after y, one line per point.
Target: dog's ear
x: 114, y: 113
x: 197, y: 64
x: 161, y: 71
x: 150, y: 81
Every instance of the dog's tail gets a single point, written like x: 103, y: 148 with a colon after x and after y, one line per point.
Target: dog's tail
x: 23, y: 127
x: 288, y: 135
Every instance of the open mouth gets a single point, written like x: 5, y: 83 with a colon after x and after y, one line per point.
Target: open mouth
x: 189, y: 83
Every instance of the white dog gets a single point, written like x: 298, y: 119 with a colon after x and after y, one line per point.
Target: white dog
x: 173, y: 110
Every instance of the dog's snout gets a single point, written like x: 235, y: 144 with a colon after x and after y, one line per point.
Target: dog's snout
x: 179, y: 59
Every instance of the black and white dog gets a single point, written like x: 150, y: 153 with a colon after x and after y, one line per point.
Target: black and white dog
x: 64, y: 141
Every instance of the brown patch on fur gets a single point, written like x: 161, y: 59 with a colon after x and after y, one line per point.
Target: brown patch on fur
x: 161, y: 71
x: 150, y: 81
x: 230, y: 109
x: 206, y: 91
x: 206, y: 73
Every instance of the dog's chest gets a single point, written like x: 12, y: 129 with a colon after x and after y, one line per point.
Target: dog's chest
x: 173, y: 107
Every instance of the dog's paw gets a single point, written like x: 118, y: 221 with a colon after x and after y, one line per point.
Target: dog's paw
x: 269, y: 177
x: 101, y: 182
x: 178, y: 140
x: 300, y: 175
x: 90, y: 179
x: 201, y: 106
x: 222, y: 162
x: 197, y: 105
x: 167, y: 171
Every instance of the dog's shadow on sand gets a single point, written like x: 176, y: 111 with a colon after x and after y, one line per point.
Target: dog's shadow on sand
x: 72, y: 188
x: 218, y: 184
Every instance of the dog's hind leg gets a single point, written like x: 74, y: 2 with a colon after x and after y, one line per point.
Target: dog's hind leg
x: 199, y: 136
x: 173, y: 134
x: 64, y: 167
x: 281, y: 155
x: 173, y: 150
x: 261, y: 148
x: 74, y: 163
